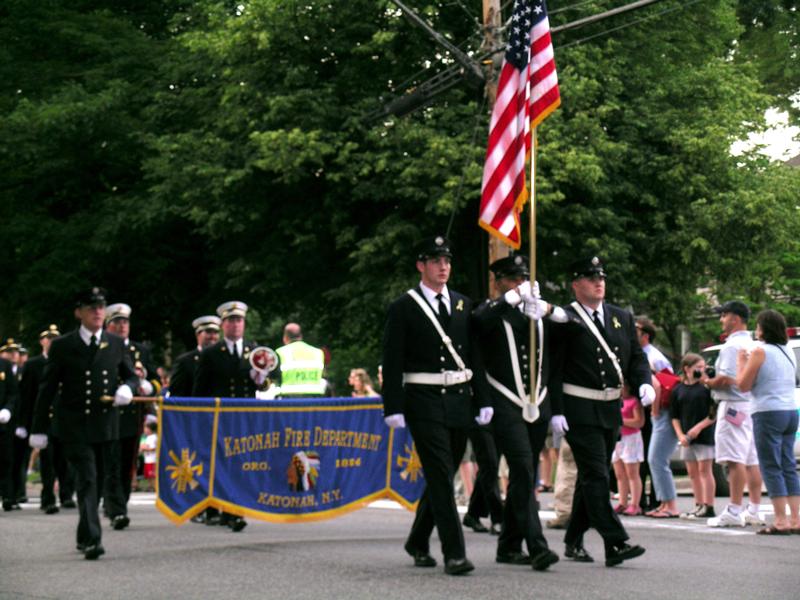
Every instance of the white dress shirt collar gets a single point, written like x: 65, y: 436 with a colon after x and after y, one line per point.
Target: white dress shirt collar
x: 86, y: 335
x: 430, y: 296
x: 590, y: 312
x: 231, y: 344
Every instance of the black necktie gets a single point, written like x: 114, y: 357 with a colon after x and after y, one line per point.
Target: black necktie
x: 93, y: 346
x: 598, y: 323
x: 444, y: 316
x: 234, y: 351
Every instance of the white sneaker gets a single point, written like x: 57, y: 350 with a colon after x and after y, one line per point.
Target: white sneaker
x: 753, y: 519
x: 726, y: 519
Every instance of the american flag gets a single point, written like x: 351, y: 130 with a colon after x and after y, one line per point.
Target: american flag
x: 526, y: 94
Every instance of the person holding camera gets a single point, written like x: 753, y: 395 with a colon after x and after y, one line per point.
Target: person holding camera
x: 733, y: 436
x: 689, y: 412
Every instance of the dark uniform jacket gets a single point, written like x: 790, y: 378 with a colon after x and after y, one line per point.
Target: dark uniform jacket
x: 29, y: 389
x: 80, y: 415
x: 220, y: 375
x: 489, y: 318
x: 131, y: 417
x: 411, y: 344
x: 181, y: 382
x: 578, y: 358
x: 9, y: 391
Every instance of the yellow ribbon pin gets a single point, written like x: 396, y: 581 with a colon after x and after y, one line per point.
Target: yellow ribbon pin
x: 460, y: 305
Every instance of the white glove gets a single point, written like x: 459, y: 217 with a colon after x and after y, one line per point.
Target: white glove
x: 512, y: 297
x: 485, y: 415
x: 257, y: 376
x: 524, y: 289
x: 647, y: 394
x: 5, y: 416
x: 559, y: 315
x: 124, y: 395
x: 21, y: 432
x: 535, y: 309
x: 536, y: 293
x: 559, y: 424
x: 38, y: 440
x: 396, y: 421
x: 145, y: 387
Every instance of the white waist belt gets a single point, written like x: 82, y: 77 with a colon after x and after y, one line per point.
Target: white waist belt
x: 445, y: 378
x: 592, y: 394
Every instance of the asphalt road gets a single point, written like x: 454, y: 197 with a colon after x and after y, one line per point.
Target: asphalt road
x: 360, y: 556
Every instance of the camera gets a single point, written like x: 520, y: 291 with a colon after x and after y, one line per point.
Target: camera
x: 697, y: 373
x: 711, y: 372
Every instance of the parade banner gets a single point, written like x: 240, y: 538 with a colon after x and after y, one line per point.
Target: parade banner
x: 283, y: 460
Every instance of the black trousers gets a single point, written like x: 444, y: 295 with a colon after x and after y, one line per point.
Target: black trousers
x: 440, y: 449
x: 19, y: 469
x: 485, y: 499
x: 128, y: 453
x: 647, y: 501
x: 87, y: 461
x: 520, y: 442
x: 592, y: 447
x: 54, y: 466
x: 6, y: 460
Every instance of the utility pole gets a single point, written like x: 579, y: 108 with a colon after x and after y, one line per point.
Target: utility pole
x: 492, y: 22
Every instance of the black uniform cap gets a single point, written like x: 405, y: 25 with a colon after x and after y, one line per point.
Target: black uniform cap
x: 514, y: 265
x: 736, y: 307
x: 93, y: 296
x: 433, y: 247
x: 587, y: 267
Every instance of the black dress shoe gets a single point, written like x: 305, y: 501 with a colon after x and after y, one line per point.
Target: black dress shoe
x: 50, y: 509
x: 237, y: 524
x: 69, y: 503
x: 421, y: 559
x: 616, y: 554
x: 578, y: 554
x: 120, y: 522
x: 93, y: 551
x: 474, y: 524
x: 80, y: 547
x: 213, y: 520
x: 9, y: 506
x: 495, y: 528
x: 514, y: 557
x: 542, y: 560
x: 199, y: 518
x: 22, y: 500
x: 458, y: 566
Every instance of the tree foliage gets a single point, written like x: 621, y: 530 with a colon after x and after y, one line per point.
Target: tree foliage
x: 187, y: 153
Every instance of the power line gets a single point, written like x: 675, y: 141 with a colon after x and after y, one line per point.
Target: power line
x: 630, y: 24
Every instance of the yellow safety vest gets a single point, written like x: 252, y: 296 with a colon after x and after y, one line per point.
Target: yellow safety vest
x: 301, y: 370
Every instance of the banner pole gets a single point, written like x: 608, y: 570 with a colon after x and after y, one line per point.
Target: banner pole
x: 532, y: 249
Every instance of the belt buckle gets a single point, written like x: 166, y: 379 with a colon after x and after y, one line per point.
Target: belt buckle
x: 448, y: 378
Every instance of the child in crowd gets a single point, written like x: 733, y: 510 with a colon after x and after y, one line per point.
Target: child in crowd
x: 149, y: 447
x: 690, y: 413
x: 628, y: 455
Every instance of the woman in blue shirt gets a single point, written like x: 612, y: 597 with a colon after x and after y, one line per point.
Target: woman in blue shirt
x: 769, y: 371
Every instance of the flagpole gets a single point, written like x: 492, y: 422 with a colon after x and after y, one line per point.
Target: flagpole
x: 532, y: 249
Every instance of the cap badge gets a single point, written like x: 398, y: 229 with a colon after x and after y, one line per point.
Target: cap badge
x: 517, y: 260
x: 439, y: 240
x: 595, y: 261
x: 95, y: 290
